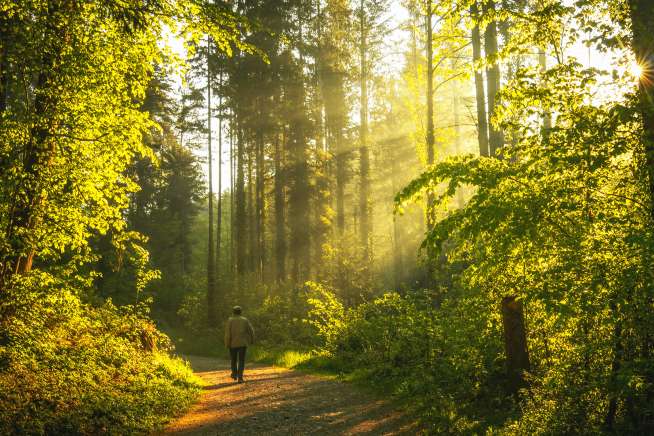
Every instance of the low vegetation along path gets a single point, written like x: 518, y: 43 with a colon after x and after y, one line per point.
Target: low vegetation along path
x: 277, y: 401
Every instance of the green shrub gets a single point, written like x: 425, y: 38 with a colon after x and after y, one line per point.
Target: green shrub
x: 69, y: 368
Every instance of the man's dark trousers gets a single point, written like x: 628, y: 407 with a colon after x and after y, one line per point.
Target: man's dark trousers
x: 237, y: 371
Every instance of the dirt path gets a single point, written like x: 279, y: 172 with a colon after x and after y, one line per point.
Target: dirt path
x: 276, y: 401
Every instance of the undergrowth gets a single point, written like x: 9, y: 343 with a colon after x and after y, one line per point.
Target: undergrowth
x: 70, y: 368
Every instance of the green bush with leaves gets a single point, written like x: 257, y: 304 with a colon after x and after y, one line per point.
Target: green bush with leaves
x: 437, y: 357
x: 69, y: 368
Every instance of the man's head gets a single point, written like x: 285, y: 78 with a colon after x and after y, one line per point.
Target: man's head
x: 236, y: 310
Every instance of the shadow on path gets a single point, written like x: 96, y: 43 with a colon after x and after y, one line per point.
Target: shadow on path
x: 275, y: 401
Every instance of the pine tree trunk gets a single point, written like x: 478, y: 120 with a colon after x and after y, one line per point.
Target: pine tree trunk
x: 429, y: 139
x: 260, y: 258
x: 299, y: 196
x: 219, y: 218
x: 457, y: 143
x: 240, y: 218
x: 280, y: 219
x: 495, y: 138
x: 253, y: 228
x: 482, y: 121
x: 364, y: 153
x: 232, y: 195
x: 211, y: 261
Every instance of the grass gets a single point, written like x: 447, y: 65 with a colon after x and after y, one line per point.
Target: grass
x: 209, y: 344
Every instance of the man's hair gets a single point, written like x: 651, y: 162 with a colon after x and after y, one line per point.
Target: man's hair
x: 237, y: 310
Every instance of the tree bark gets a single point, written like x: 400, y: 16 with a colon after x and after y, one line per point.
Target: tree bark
x: 495, y: 138
x: 364, y: 153
x: 642, y: 23
x: 547, y: 117
x: 482, y: 121
x: 515, y: 343
x: 240, y: 218
x: 430, y: 138
x: 261, y: 256
x: 211, y: 260
x: 39, y: 151
x: 219, y: 218
x: 280, y: 219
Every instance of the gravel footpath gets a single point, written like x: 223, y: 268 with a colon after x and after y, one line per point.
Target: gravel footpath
x: 277, y: 401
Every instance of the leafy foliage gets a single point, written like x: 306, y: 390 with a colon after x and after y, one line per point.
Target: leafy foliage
x: 73, y: 368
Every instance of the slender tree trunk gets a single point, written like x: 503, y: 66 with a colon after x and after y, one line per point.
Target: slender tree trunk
x: 211, y: 260
x: 232, y: 196
x: 253, y: 233
x: 336, y: 106
x: 492, y: 80
x: 260, y: 259
x: 280, y: 219
x: 482, y: 122
x: 299, y: 195
x: 219, y: 218
x: 398, y: 252
x: 547, y: 116
x: 240, y: 218
x: 364, y: 153
x: 429, y: 139
x: 5, y: 41
x: 457, y: 142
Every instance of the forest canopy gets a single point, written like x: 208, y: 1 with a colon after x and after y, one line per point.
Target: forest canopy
x: 450, y: 199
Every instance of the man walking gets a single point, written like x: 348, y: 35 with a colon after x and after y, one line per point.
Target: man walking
x: 238, y: 335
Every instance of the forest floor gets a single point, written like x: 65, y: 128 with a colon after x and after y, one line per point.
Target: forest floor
x: 278, y: 401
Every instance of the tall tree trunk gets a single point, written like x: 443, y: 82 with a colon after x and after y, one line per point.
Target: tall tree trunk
x: 232, y: 195
x: 253, y: 228
x: 492, y: 80
x: 336, y: 106
x: 299, y: 196
x: 642, y: 23
x: 457, y: 142
x: 429, y: 139
x: 240, y: 218
x: 260, y: 258
x: 364, y: 153
x: 482, y: 121
x: 18, y: 256
x: 211, y: 260
x: 5, y: 41
x: 398, y: 249
x: 547, y: 116
x: 219, y: 218
x: 280, y: 218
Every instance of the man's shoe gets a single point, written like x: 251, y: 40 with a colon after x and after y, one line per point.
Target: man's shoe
x: 240, y: 380
x: 233, y: 376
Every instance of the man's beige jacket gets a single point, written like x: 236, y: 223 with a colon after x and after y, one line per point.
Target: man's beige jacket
x: 238, y: 332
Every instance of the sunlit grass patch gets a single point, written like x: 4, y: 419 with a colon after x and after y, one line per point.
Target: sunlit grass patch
x: 279, y: 357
